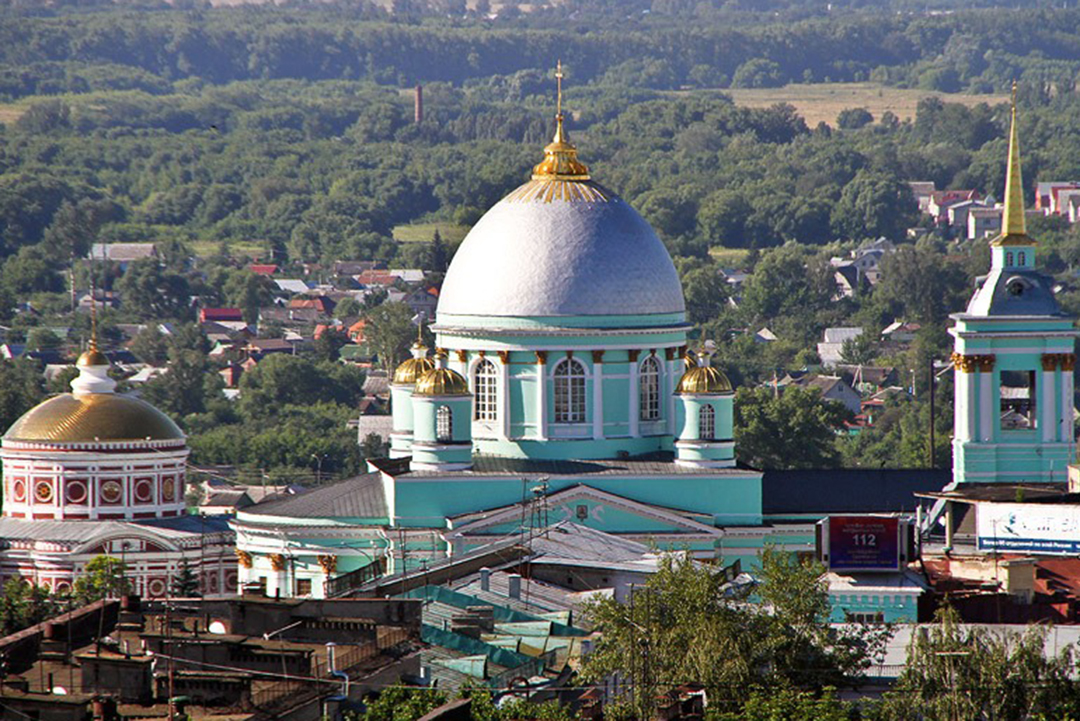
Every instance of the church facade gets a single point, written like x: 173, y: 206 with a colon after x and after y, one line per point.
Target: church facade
x: 94, y: 472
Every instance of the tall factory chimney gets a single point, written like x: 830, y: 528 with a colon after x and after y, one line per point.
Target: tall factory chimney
x: 419, y: 109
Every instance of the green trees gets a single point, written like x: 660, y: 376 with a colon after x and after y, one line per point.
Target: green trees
x: 24, y: 604
x: 683, y: 626
x: 102, y: 577
x: 185, y: 583
x: 390, y: 332
x: 21, y: 388
x: 793, y: 429
x: 956, y: 671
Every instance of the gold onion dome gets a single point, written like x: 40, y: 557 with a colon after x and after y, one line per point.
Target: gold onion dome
x: 90, y: 417
x: 409, y: 371
x: 441, y: 381
x: 1013, y: 222
x: 92, y: 412
x: 703, y: 378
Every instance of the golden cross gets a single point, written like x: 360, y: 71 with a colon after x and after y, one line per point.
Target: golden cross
x: 558, y: 83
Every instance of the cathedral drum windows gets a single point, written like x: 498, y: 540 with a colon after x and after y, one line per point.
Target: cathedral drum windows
x: 486, y: 390
x: 569, y: 390
x: 649, y: 389
x: 707, y: 423
x: 444, y: 424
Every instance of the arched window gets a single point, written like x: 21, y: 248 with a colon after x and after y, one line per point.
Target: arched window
x: 1009, y: 259
x: 1021, y: 258
x: 569, y: 388
x: 706, y: 423
x: 444, y: 424
x: 486, y: 384
x: 649, y: 389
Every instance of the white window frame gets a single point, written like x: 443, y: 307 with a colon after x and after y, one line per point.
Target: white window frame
x: 649, y: 373
x: 444, y: 424
x: 486, y: 382
x: 572, y: 407
x: 707, y: 423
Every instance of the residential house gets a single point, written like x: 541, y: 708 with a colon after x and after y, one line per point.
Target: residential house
x: 869, y: 379
x: 900, y: 332
x: 833, y: 388
x: 922, y: 190
x: 104, y: 299
x: 355, y: 267
x: 266, y: 269
x: 423, y: 300
x: 321, y: 304
x: 830, y: 350
x: 218, y: 315
x: 1068, y: 202
x: 764, y: 336
x: 983, y: 222
x: 292, y: 286
x: 942, y: 200
x: 123, y: 254
x: 957, y: 214
x: 1047, y: 195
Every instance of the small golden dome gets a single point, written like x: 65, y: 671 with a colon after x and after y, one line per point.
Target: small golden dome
x: 441, y: 381
x: 92, y: 357
x: 703, y: 378
x: 560, y: 158
x: 409, y: 371
x: 84, y: 418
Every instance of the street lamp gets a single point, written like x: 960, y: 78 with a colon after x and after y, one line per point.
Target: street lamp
x: 318, y: 468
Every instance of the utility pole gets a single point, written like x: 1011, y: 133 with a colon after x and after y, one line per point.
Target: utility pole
x: 930, y: 371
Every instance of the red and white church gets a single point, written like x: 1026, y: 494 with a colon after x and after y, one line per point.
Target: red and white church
x: 94, y: 472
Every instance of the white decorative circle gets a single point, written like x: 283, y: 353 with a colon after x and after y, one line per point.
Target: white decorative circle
x: 18, y: 490
x: 111, y: 492
x: 155, y: 587
x: 144, y: 490
x: 75, y: 491
x: 43, y: 492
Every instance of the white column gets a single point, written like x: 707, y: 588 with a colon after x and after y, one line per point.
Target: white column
x: 1048, y: 413
x: 668, y: 384
x: 504, y: 392
x: 988, y: 413
x: 964, y: 412
x: 541, y: 394
x: 1066, y: 409
x: 634, y: 401
x: 598, y: 395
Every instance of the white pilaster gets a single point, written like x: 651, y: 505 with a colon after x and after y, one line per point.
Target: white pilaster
x: 964, y: 410
x: 1048, y: 412
x: 541, y: 399
x: 634, y: 402
x: 504, y: 396
x: 988, y: 411
x: 1066, y: 410
x: 668, y: 384
x: 598, y: 399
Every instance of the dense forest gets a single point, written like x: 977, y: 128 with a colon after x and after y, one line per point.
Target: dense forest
x: 288, y: 132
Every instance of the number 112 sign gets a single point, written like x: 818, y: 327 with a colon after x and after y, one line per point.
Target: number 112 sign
x: 864, y: 543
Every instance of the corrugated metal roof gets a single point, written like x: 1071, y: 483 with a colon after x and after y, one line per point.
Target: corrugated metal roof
x: 653, y: 464
x: 848, y: 490
x: 76, y: 532
x: 359, y: 497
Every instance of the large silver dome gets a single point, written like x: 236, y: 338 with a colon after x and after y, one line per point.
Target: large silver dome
x: 558, y: 247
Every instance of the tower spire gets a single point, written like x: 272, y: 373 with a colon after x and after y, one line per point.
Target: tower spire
x: 1013, y: 222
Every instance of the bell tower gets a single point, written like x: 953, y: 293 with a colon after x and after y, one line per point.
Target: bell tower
x: 1013, y: 359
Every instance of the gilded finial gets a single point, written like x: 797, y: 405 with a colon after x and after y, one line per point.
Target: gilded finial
x: 1013, y: 222
x: 560, y: 156
x: 92, y: 357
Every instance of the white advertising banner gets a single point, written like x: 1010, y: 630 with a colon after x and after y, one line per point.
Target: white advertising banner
x: 1028, y: 528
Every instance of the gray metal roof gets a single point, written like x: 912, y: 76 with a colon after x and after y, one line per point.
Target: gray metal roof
x: 77, y: 532
x: 1014, y: 292
x: 655, y: 464
x: 566, y: 257
x: 358, y: 497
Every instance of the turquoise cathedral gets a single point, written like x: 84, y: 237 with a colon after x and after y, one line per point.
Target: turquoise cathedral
x: 561, y: 387
x: 1014, y: 362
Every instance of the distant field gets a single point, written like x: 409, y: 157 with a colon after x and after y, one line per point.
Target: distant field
x: 9, y: 112
x: 728, y: 257
x: 423, y: 232
x: 819, y: 102
x: 205, y: 248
